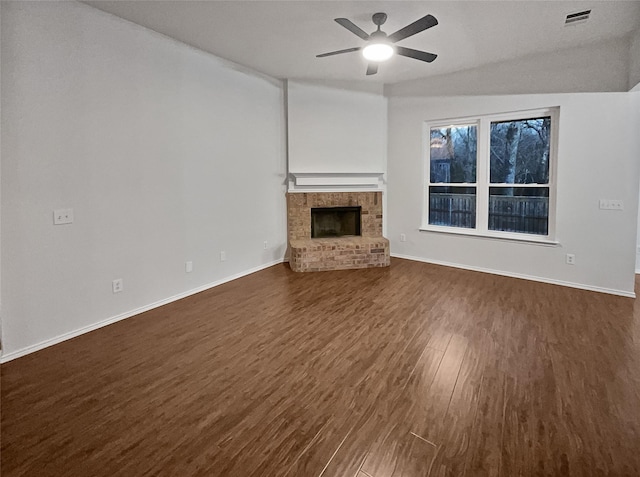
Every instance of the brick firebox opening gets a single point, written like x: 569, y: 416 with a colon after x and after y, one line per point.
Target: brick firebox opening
x: 369, y: 250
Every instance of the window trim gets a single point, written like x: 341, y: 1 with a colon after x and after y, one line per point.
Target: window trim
x: 483, y: 165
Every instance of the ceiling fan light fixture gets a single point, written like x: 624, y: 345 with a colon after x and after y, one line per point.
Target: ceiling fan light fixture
x: 380, y: 46
x: 378, y: 51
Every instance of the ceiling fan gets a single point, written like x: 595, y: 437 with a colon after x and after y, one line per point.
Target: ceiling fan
x: 381, y: 46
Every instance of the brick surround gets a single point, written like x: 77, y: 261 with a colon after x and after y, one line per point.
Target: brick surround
x: 337, y: 253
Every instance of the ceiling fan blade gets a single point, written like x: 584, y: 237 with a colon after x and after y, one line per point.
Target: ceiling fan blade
x: 372, y: 69
x: 422, y: 24
x: 338, y: 52
x: 353, y: 28
x: 417, y: 54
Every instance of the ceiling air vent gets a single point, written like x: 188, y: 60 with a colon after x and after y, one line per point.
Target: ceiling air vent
x: 577, y: 18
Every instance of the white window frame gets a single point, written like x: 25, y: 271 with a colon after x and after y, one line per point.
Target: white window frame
x: 482, y: 183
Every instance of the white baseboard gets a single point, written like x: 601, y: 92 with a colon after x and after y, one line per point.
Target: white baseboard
x: 551, y: 281
x: 85, y: 329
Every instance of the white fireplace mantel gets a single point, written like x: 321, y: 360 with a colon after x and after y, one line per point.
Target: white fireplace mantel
x: 336, y: 181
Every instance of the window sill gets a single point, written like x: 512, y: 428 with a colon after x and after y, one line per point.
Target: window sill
x: 508, y: 237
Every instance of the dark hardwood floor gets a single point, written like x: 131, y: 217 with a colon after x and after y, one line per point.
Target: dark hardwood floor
x: 414, y: 370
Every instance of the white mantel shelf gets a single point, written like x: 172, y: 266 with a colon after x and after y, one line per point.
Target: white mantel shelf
x: 336, y: 181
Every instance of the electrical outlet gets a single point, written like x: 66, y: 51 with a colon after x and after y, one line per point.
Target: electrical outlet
x: 188, y: 267
x: 403, y: 238
x: 117, y: 285
x: 62, y: 216
x: 223, y: 256
x: 266, y: 244
x: 571, y: 259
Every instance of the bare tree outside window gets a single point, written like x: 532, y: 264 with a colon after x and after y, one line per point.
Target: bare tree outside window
x: 519, y: 155
x: 511, y: 180
x: 520, y: 151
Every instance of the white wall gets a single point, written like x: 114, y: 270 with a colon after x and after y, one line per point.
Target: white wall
x: 165, y: 153
x: 598, y: 158
x: 635, y: 98
x: 1, y: 345
x: 634, y: 61
x: 634, y: 85
x: 592, y: 68
x: 335, y: 130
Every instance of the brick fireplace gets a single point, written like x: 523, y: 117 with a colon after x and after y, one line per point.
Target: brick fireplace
x: 370, y: 249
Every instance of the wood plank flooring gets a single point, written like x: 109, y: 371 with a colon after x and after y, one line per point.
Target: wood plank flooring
x: 415, y: 370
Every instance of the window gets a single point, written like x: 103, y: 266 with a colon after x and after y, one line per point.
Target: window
x: 452, y: 166
x: 492, y: 175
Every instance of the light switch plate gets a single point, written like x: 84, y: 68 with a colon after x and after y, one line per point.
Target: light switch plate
x: 611, y: 204
x: 62, y: 216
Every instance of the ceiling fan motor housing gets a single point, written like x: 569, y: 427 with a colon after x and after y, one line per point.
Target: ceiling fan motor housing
x: 379, y: 18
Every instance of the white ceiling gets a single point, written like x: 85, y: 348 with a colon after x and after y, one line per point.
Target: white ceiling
x: 281, y: 38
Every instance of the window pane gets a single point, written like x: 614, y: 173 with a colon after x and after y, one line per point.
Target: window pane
x: 519, y: 209
x: 520, y: 151
x: 452, y: 206
x: 453, y: 154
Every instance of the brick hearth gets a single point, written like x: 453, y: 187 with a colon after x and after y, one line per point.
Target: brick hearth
x: 336, y: 253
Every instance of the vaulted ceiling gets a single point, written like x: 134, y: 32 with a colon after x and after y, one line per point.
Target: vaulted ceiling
x: 282, y: 38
